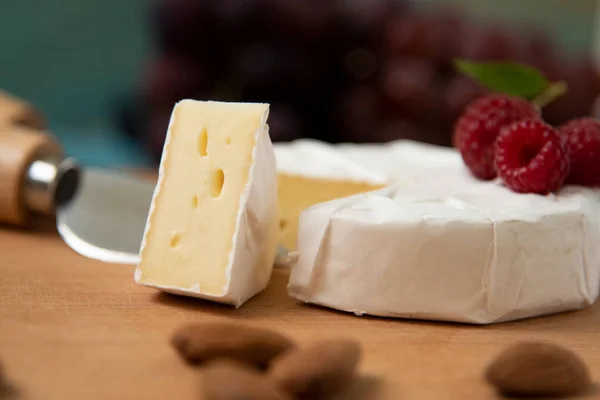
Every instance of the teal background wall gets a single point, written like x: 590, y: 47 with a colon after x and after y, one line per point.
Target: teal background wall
x: 72, y: 58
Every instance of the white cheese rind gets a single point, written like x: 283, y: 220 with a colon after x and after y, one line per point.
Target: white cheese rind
x: 406, y: 161
x: 451, y: 249
x: 253, y: 251
x: 315, y: 159
x: 258, y: 221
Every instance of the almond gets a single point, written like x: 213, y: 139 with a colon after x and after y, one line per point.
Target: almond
x: 200, y: 342
x: 231, y: 380
x: 323, y: 368
x: 538, y: 369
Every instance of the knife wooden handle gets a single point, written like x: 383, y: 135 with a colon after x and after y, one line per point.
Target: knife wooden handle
x: 35, y: 176
x: 20, y: 147
x: 17, y: 112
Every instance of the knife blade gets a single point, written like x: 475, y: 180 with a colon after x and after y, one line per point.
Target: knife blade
x: 100, y: 213
x: 106, y: 218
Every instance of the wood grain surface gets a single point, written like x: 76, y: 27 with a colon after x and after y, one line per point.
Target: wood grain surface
x: 72, y: 328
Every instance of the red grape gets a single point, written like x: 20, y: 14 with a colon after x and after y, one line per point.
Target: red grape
x: 366, y: 17
x: 360, y: 64
x: 436, y: 36
x: 284, y: 124
x: 359, y: 111
x: 458, y: 93
x: 170, y: 79
x: 491, y: 43
x: 257, y: 70
x: 305, y: 20
x: 408, y: 84
x: 447, y: 30
x: 182, y: 26
x: 539, y: 45
x: 410, y: 35
x: 583, y: 87
x: 266, y: 73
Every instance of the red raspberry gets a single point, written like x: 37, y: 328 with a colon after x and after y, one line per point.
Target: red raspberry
x: 583, y: 141
x: 531, y: 157
x: 478, y: 127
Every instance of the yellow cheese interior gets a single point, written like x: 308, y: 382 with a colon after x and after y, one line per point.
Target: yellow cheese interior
x: 206, y: 166
x: 297, y: 193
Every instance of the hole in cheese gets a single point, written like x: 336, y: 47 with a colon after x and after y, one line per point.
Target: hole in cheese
x: 227, y: 140
x: 195, y: 201
x: 203, y: 143
x: 283, y: 224
x: 217, y: 179
x: 175, y: 240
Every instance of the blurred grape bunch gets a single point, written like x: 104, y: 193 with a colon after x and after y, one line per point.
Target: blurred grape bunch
x: 338, y: 70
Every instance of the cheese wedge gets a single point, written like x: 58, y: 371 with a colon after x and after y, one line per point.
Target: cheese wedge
x: 445, y: 246
x: 213, y: 224
x: 311, y: 172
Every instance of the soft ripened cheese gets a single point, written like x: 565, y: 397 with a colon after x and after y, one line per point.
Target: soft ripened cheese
x: 449, y: 247
x: 311, y: 172
x: 213, y: 225
x: 405, y: 161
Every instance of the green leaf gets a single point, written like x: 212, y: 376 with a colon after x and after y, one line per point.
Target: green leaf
x: 510, y: 78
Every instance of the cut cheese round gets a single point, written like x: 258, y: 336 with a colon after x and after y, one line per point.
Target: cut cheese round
x: 311, y: 172
x: 405, y: 161
x: 441, y: 245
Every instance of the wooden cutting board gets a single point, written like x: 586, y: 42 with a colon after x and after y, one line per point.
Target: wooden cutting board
x: 73, y: 328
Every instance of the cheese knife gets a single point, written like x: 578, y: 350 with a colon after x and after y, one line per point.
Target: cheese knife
x: 100, y: 213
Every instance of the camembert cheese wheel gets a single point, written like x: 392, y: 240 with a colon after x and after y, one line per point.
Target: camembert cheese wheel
x: 212, y: 228
x: 444, y: 246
